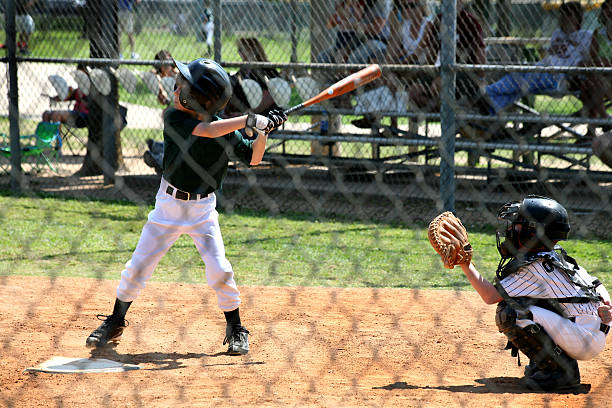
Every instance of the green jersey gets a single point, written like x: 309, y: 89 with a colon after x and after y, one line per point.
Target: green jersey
x: 198, y: 164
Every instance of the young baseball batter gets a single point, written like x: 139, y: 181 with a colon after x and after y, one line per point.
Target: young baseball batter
x: 197, y: 147
x: 549, y: 307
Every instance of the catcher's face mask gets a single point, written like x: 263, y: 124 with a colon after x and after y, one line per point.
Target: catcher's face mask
x: 507, y: 240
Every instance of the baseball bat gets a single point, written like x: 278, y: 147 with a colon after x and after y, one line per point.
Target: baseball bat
x: 350, y: 83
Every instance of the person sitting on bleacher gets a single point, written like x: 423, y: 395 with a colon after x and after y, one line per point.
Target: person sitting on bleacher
x: 362, y: 35
x: 77, y: 117
x: 569, y: 47
x: 596, y: 88
x: 411, y: 42
x: 470, y: 50
x: 250, y: 49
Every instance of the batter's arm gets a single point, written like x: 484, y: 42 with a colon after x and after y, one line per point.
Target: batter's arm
x: 485, y: 289
x: 259, y: 148
x: 220, y: 127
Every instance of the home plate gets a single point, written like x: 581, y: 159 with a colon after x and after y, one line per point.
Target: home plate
x: 64, y: 365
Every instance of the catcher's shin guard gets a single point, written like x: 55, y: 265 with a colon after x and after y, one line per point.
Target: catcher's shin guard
x: 532, y: 340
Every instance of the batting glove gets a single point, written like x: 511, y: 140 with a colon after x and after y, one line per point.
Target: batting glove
x: 277, y: 116
x: 259, y: 123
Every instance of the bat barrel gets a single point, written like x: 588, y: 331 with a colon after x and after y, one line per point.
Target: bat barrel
x: 341, y: 87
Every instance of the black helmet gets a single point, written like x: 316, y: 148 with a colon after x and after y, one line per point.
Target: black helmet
x: 209, y: 86
x: 542, y: 221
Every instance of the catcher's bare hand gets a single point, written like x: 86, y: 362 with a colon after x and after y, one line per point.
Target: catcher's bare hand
x: 449, y: 238
x: 605, y: 312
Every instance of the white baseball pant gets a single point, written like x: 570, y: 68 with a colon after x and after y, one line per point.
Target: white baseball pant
x: 166, y: 223
x: 581, y: 340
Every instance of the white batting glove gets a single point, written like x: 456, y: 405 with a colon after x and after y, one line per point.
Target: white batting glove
x: 259, y: 122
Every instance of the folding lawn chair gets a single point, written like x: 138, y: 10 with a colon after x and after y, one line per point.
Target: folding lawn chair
x: 40, y: 149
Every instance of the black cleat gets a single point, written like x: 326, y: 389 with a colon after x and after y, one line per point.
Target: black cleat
x: 109, y: 331
x: 553, y: 380
x: 238, y: 339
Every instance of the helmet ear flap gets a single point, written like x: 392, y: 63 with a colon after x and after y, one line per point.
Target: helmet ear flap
x: 193, y: 101
x: 184, y: 97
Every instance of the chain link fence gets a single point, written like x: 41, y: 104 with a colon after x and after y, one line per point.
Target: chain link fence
x: 480, y: 102
x: 521, y: 111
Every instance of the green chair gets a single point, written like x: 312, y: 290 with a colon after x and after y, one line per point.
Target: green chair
x: 39, y: 149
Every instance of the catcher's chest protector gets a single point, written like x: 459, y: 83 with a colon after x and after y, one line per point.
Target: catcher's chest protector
x: 565, y: 264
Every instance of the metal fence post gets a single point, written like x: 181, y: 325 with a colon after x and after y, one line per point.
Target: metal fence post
x: 218, y: 18
x: 110, y: 32
x: 294, y: 30
x: 447, y: 104
x: 13, y: 98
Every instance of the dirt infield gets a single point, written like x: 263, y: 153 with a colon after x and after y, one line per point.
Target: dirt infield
x: 309, y: 347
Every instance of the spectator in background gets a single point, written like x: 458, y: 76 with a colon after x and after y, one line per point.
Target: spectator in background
x: 250, y: 50
x: 154, y: 157
x: 24, y: 24
x: 374, y: 25
x: 362, y: 36
x: 126, y: 24
x: 77, y: 116
x: 411, y: 41
x: 470, y: 50
x: 362, y: 31
x: 205, y: 25
x: 164, y: 70
x: 412, y: 33
x: 345, y: 18
x: 569, y: 46
x: 596, y: 88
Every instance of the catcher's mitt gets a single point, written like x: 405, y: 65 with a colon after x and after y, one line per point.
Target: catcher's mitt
x: 449, y: 238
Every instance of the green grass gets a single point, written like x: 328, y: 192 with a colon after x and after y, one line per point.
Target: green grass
x: 58, y: 43
x: 45, y: 236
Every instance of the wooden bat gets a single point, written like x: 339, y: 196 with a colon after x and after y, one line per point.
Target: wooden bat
x: 350, y: 83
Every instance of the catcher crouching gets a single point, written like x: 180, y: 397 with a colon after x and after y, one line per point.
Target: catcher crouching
x: 548, y: 306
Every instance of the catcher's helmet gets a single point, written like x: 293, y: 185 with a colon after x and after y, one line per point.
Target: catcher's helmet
x: 542, y: 220
x: 209, y: 87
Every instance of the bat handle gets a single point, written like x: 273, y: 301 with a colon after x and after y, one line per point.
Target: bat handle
x: 294, y: 108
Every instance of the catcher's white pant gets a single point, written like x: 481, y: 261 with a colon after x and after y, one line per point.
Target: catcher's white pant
x: 581, y: 340
x: 166, y: 223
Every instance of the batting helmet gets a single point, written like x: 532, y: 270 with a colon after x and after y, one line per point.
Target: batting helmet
x: 542, y: 220
x: 209, y: 88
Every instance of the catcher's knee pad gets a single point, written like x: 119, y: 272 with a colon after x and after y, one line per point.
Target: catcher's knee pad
x: 532, y: 340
